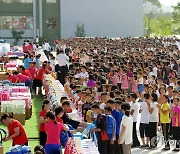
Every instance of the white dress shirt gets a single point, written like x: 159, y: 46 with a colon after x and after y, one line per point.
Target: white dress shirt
x: 47, y: 47
x: 62, y: 59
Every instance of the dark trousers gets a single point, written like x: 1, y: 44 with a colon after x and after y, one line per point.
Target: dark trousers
x: 153, y: 134
x: 102, y: 147
x: 135, y: 138
x: 176, y: 135
x: 36, y: 83
x: 165, y: 129
x: 110, y: 148
x: 43, y: 138
x: 61, y: 73
x: 46, y: 53
x: 118, y: 147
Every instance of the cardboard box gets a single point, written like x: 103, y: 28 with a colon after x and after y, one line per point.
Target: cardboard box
x: 1, y: 150
x: 2, y: 76
x: 20, y: 117
x: 28, y: 113
x: 2, y: 66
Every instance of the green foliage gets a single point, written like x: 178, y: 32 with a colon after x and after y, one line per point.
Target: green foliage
x: 161, y: 26
x: 80, y: 31
x: 176, y: 19
x: 153, y: 2
x: 17, y: 35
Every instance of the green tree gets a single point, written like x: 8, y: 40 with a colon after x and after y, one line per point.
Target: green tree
x: 176, y: 19
x: 161, y: 26
x: 80, y: 31
x: 150, y: 8
x: 17, y: 36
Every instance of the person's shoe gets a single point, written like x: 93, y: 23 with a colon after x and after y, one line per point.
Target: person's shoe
x: 146, y: 145
x: 176, y: 150
x: 134, y: 146
x: 154, y: 148
x: 166, y: 149
x: 143, y: 146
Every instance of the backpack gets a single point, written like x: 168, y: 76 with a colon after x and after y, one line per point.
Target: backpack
x: 110, y: 124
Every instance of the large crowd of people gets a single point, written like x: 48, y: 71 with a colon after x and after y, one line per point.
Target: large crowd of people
x: 132, y: 80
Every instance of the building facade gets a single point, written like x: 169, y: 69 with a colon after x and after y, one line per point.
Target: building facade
x: 52, y: 19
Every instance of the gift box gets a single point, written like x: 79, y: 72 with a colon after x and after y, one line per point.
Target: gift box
x: 15, y: 89
x: 28, y: 113
x: 1, y: 149
x: 23, y: 89
x: 4, y: 96
x: 8, y: 65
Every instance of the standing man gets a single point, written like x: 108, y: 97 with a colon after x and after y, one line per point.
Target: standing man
x: 62, y: 67
x: 47, y: 49
x: 100, y: 129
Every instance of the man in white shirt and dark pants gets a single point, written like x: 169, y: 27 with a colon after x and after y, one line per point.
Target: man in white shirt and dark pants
x: 62, y: 67
x: 47, y: 49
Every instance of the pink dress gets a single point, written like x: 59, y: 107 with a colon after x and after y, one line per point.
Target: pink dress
x: 134, y: 86
x: 115, y: 79
x: 124, y: 84
x: 176, y: 119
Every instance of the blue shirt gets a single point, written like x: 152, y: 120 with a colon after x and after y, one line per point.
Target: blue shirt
x: 26, y: 63
x: 118, y: 117
x: 37, y: 63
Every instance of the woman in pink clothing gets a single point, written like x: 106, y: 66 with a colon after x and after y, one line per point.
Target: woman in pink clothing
x: 134, y: 84
x: 115, y: 77
x: 124, y: 85
x: 176, y: 123
x: 53, y: 130
x: 22, y: 78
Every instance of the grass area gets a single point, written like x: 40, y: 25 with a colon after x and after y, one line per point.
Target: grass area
x: 31, y: 126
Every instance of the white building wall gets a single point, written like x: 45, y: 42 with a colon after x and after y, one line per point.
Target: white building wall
x: 103, y: 18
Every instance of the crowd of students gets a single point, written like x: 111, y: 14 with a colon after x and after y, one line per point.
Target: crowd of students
x: 107, y: 74
x: 136, y: 80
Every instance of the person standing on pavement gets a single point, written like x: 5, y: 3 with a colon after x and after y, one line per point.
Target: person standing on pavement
x: 62, y: 67
x: 46, y: 49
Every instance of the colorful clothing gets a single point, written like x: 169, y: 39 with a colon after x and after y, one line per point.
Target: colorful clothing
x: 176, y: 116
x: 134, y: 86
x: 21, y: 139
x: 124, y: 82
x: 164, y: 117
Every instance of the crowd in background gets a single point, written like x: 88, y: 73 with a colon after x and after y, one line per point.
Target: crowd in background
x: 133, y: 79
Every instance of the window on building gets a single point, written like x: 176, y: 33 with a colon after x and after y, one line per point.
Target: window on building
x: 50, y: 1
x: 16, y: 1
x: 16, y: 22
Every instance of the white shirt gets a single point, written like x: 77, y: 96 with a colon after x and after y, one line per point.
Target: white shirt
x: 144, y: 113
x: 154, y: 116
x: 37, y: 39
x: 82, y: 75
x: 155, y: 71
x: 62, y: 59
x: 102, y: 106
x: 140, y: 81
x: 128, y: 123
x: 52, y: 64
x: 47, y: 47
x: 135, y: 107
x: 150, y: 75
